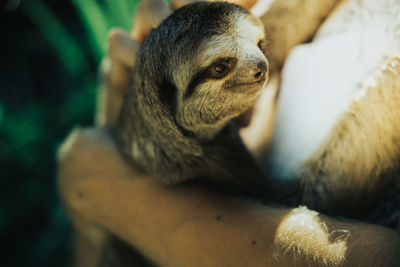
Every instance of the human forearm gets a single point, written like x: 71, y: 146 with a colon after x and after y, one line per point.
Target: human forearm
x: 188, y: 225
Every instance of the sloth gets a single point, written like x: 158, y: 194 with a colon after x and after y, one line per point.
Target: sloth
x: 197, y: 75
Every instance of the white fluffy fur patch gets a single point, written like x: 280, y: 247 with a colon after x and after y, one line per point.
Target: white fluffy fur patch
x: 320, y: 79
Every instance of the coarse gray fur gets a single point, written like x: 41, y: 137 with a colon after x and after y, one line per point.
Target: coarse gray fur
x: 176, y: 120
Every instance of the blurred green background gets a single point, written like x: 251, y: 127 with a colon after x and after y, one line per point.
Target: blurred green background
x: 50, y: 53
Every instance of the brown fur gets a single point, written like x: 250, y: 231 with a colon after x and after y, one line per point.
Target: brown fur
x: 176, y: 118
x: 294, y: 242
x: 361, y: 158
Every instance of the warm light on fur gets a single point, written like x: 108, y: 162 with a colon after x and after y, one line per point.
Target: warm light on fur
x: 360, y: 159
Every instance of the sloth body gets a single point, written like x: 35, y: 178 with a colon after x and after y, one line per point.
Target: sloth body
x: 339, y: 136
x: 202, y: 67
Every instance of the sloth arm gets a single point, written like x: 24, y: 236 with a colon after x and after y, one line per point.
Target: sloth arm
x: 192, y: 226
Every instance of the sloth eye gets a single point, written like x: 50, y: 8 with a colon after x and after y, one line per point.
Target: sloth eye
x: 220, y: 68
x: 216, y: 70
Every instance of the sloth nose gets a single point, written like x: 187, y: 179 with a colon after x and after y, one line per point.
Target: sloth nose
x: 259, y: 75
x: 259, y: 70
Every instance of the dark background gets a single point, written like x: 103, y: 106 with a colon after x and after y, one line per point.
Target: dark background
x: 50, y: 51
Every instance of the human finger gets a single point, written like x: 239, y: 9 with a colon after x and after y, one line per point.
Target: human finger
x: 149, y: 15
x: 122, y: 47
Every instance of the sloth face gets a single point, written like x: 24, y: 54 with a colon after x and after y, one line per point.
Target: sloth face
x: 223, y: 78
x: 205, y: 63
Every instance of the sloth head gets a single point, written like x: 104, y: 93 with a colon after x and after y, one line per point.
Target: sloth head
x: 205, y: 65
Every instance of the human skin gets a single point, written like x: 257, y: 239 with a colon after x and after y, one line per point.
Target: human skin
x: 189, y: 225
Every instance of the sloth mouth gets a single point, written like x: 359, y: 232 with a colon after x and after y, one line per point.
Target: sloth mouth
x: 251, y: 89
x: 246, y: 86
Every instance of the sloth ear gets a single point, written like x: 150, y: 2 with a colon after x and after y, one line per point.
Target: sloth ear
x: 161, y: 123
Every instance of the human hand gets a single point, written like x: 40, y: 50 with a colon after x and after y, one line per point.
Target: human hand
x: 190, y: 225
